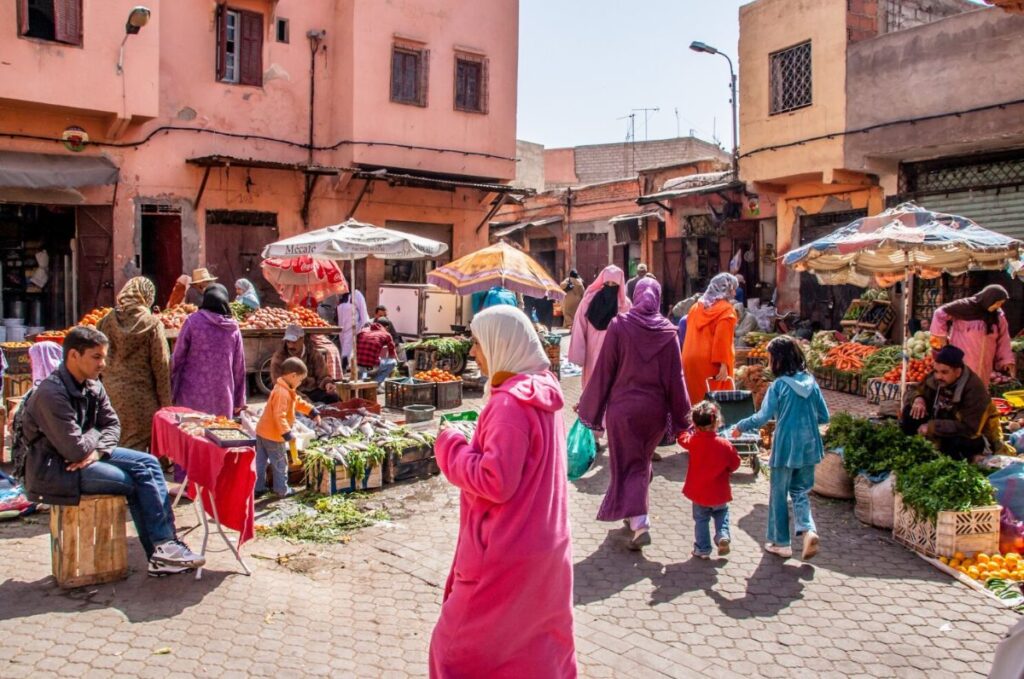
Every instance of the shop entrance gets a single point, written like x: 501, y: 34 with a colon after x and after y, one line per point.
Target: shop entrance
x: 161, y: 248
x: 234, y: 241
x: 825, y: 305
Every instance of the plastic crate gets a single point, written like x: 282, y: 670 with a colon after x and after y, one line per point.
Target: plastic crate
x: 410, y: 463
x: 448, y: 395
x: 339, y: 480
x: 18, y: 361
x: 881, y: 321
x: 408, y: 392
x: 350, y: 407
x: 970, y: 532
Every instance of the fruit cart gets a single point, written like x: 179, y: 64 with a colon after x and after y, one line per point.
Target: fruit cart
x: 259, y: 345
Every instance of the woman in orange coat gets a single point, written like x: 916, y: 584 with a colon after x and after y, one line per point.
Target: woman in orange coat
x: 708, y: 350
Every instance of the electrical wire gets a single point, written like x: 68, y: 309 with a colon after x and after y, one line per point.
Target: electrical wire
x: 257, y: 137
x: 879, y: 126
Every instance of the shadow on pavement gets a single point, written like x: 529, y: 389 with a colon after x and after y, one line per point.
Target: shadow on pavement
x: 772, y: 588
x: 695, y: 575
x: 139, y: 597
x: 610, y: 569
x: 30, y: 526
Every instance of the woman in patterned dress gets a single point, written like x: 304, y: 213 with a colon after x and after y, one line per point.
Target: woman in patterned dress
x: 138, y: 373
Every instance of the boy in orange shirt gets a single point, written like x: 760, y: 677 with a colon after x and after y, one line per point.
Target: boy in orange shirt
x: 274, y: 430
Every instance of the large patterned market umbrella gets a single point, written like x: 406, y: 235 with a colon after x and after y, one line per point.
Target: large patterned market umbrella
x: 497, y: 265
x: 901, y: 240
x: 899, y: 243
x: 297, y: 278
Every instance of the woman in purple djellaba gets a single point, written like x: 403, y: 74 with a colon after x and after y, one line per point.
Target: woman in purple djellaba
x: 208, y: 366
x: 637, y: 386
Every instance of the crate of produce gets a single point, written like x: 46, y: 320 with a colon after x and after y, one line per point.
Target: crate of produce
x: 18, y: 361
x: 16, y: 386
x: 848, y: 383
x: 338, y: 480
x: 825, y: 377
x: 854, y: 312
x: 410, y: 463
x: 408, y: 391
x: 448, y: 395
x: 226, y: 437
x: 970, y: 532
x: 878, y: 318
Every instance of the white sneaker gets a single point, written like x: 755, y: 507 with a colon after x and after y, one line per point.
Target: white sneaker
x: 810, y: 545
x: 778, y: 550
x: 177, y: 553
x: 159, y: 570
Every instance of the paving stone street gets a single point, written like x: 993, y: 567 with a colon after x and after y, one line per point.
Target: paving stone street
x: 866, y: 607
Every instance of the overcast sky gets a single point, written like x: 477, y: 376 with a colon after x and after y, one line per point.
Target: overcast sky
x: 585, y: 63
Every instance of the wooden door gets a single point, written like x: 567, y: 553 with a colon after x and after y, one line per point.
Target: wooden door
x: 161, y: 252
x: 95, y: 255
x: 591, y: 255
x: 233, y: 252
x: 673, y: 280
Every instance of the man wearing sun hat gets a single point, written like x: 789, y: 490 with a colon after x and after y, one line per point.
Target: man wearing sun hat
x: 201, y: 278
x: 952, y: 408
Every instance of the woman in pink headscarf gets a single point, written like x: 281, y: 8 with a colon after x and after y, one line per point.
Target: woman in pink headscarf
x: 604, y: 299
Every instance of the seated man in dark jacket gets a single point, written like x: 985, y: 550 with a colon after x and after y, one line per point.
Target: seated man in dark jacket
x: 72, y: 433
x: 953, y: 409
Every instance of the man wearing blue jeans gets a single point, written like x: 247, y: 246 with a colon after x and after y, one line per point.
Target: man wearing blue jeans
x: 72, y: 431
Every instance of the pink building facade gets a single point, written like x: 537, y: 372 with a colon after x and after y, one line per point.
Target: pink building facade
x: 229, y: 125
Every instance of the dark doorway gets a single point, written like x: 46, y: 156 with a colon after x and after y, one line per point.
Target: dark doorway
x: 669, y: 262
x: 591, y: 255
x: 95, y: 232
x: 234, y: 242
x: 825, y: 305
x: 161, y: 248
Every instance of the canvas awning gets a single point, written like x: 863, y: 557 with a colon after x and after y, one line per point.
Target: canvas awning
x: 689, y: 191
x: 638, y: 215
x: 52, y: 171
x: 542, y: 221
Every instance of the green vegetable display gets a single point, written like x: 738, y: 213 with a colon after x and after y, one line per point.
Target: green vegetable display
x: 1017, y: 345
x: 239, y: 311
x: 874, y: 448
x: 944, y: 485
x: 881, y: 362
x: 444, y: 346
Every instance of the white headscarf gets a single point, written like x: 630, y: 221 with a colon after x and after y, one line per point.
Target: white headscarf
x: 722, y: 286
x: 509, y: 341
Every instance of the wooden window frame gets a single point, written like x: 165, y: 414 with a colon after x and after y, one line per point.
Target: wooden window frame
x: 280, y: 23
x: 422, y: 75
x: 249, y: 28
x: 482, y: 85
x: 67, y: 23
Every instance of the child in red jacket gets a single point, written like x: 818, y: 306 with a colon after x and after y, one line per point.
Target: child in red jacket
x: 712, y: 459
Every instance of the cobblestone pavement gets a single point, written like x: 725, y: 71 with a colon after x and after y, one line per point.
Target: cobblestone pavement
x: 866, y: 607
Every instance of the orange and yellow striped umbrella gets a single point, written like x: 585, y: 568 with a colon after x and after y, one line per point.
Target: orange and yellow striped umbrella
x: 497, y: 265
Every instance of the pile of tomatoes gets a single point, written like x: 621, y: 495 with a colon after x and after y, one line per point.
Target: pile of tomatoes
x: 436, y: 375
x: 308, y: 318
x: 92, y: 318
x: 917, y: 370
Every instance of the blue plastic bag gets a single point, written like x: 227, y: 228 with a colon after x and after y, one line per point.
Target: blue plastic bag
x: 1009, y: 486
x: 581, y: 449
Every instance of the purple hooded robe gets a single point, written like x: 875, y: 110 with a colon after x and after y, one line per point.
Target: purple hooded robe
x: 208, y: 366
x: 636, y: 387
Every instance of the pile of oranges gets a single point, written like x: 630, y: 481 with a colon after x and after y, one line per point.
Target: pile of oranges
x: 94, y: 317
x: 308, y: 318
x: 436, y: 375
x: 982, y: 567
x: 760, y: 351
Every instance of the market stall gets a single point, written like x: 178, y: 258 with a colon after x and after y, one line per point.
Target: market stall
x: 896, y: 246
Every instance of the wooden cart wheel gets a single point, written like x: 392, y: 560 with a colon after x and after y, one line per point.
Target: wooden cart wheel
x: 263, y: 380
x: 755, y: 464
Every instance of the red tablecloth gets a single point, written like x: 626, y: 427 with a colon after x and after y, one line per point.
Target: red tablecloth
x: 229, y: 472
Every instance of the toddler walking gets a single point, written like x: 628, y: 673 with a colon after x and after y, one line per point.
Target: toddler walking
x: 712, y: 459
x: 274, y: 430
x: 795, y: 402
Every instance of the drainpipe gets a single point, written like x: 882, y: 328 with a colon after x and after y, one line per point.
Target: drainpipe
x: 315, y: 38
x: 570, y: 253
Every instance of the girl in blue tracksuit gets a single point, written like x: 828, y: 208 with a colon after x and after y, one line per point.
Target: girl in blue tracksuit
x: 795, y: 401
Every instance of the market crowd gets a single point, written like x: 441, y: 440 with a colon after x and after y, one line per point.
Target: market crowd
x: 507, y: 605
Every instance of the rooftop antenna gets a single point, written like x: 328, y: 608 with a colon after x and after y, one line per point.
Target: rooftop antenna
x: 677, y: 121
x: 631, y: 140
x: 647, y: 113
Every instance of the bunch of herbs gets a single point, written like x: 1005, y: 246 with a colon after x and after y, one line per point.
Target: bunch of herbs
x: 944, y: 485
x: 326, y: 519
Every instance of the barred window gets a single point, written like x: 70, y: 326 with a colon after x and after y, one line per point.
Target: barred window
x: 791, y: 78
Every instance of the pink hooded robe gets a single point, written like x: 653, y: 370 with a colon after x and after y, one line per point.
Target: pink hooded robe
x: 507, y: 609
x: 585, y: 341
x: 984, y: 352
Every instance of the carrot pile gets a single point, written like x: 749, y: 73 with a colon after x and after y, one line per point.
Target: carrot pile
x: 848, y: 357
x: 917, y: 370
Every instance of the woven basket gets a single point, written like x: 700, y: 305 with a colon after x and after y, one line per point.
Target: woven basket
x: 831, y: 479
x: 875, y: 501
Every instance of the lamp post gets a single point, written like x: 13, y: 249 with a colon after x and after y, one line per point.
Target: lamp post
x: 697, y: 46
x: 137, y: 18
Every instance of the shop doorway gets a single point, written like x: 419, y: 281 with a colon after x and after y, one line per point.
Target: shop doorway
x: 668, y: 268
x: 234, y: 241
x: 161, y: 248
x: 825, y: 305
x: 591, y: 255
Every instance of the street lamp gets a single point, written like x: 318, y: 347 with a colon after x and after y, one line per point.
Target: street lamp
x: 137, y: 18
x: 698, y: 46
